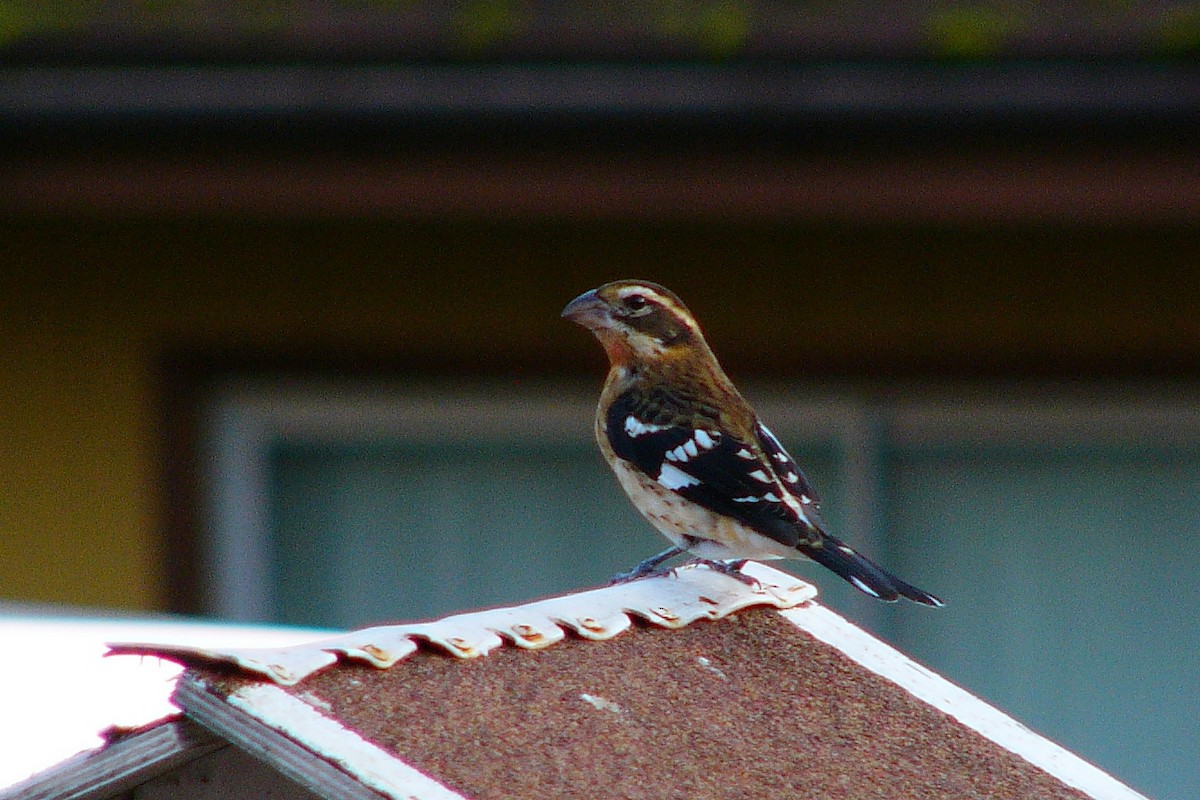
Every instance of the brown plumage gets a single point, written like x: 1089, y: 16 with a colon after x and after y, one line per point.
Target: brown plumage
x: 692, y: 454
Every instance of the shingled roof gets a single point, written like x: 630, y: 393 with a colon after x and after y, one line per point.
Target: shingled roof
x: 692, y: 686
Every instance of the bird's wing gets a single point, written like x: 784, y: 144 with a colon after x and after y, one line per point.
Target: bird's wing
x: 790, y: 474
x: 755, y: 482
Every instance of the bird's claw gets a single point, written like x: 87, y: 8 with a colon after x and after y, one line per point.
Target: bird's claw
x: 646, y: 567
x: 635, y: 574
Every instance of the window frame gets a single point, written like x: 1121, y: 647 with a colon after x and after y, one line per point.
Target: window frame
x: 244, y: 418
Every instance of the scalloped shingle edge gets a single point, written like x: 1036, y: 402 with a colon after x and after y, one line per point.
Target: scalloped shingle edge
x: 673, y: 600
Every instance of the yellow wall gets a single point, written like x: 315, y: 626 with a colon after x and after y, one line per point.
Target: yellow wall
x: 88, y: 308
x: 76, y: 464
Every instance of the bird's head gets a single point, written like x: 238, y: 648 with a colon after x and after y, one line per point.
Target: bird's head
x: 635, y: 320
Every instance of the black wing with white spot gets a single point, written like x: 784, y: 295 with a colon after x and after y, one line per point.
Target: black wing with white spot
x: 828, y: 551
x: 785, y: 467
x: 790, y: 475
x: 717, y: 471
x: 758, y: 484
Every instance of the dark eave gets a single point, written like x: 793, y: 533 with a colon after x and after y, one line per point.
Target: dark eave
x: 892, y: 141
x: 803, y: 94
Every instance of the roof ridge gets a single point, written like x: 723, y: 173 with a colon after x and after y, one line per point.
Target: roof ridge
x: 670, y: 600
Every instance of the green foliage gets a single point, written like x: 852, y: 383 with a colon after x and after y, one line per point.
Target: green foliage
x: 481, y: 23
x: 1179, y: 29
x: 22, y: 19
x: 714, y: 29
x: 719, y: 27
x: 971, y: 31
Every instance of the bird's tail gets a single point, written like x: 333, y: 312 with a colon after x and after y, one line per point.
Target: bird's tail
x: 864, y: 574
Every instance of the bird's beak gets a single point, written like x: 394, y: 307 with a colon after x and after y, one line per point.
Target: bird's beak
x: 587, y: 310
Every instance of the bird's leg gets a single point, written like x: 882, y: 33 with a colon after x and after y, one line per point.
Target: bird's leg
x: 647, y: 566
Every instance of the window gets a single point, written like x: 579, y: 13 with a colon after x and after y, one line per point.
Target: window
x: 343, y: 507
x: 1058, y: 524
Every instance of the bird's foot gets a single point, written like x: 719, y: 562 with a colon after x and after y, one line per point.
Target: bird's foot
x: 646, y: 568
x: 634, y: 574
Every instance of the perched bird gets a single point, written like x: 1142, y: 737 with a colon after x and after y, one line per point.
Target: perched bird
x: 692, y: 454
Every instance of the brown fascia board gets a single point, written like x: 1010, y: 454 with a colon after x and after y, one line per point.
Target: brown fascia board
x: 722, y: 690
x: 1098, y: 184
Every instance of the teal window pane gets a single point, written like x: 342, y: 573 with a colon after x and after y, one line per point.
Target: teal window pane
x: 1053, y: 562
x: 361, y: 535
x: 371, y: 533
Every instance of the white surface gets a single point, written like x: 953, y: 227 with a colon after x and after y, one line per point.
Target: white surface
x: 57, y: 691
x: 302, y: 723
x: 673, y: 600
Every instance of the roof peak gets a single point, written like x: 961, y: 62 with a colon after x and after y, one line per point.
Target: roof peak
x: 672, y: 600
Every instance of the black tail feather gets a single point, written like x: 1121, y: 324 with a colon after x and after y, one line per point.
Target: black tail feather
x: 864, y: 574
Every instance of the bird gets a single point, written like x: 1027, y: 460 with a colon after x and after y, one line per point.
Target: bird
x: 692, y: 454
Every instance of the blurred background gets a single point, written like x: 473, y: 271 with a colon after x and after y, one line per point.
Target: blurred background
x: 280, y: 286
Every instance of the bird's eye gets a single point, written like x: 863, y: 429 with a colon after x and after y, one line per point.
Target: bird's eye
x: 636, y: 302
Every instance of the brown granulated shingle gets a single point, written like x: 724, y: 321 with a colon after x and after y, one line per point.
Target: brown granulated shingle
x: 746, y: 707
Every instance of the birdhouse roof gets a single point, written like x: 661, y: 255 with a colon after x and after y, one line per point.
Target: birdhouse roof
x: 690, y: 685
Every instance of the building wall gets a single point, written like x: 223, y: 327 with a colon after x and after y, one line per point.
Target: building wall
x: 92, y: 309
